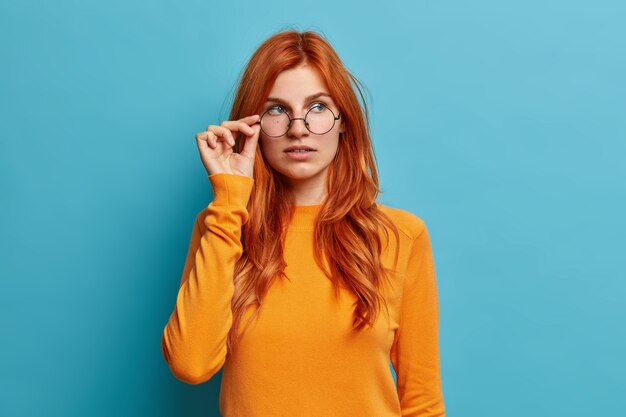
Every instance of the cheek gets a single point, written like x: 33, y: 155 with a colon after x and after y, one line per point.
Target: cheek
x: 335, y: 145
x: 271, y: 151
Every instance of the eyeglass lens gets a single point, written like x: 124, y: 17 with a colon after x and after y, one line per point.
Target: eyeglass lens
x: 319, y: 120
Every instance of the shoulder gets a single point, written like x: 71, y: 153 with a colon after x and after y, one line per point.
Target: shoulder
x: 408, y: 223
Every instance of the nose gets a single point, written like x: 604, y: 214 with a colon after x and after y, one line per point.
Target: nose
x: 297, y: 129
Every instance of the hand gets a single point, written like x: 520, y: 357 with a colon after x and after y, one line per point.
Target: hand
x: 216, y: 146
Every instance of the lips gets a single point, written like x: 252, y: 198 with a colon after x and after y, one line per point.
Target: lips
x: 299, y: 149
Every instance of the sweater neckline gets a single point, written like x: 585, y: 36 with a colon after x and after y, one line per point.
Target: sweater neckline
x: 304, y: 217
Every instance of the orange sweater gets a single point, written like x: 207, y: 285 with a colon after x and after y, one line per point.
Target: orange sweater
x: 301, y: 358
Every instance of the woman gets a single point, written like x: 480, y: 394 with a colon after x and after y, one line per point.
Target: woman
x: 290, y: 266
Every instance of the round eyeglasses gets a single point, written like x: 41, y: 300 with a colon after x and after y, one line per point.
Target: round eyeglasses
x: 319, y: 119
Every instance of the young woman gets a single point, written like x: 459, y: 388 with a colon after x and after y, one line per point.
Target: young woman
x: 297, y: 282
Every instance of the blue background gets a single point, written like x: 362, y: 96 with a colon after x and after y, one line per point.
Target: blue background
x: 500, y: 123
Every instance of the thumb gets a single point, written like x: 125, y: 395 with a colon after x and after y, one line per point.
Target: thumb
x: 249, y: 147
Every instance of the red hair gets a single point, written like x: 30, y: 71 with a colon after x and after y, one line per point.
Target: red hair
x: 347, y: 242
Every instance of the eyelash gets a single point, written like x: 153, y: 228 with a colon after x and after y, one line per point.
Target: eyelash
x: 283, y: 108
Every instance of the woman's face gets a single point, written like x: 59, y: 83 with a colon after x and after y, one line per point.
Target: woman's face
x: 295, y: 92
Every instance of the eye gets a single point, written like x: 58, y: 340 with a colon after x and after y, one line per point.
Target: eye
x: 319, y: 106
x: 277, y: 108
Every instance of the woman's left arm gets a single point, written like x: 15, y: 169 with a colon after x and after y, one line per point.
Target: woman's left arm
x: 415, y: 351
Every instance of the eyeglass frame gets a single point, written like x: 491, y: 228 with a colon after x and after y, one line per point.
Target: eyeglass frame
x: 306, y: 124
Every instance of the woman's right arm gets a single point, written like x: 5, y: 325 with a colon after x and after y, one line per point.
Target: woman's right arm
x: 194, y: 339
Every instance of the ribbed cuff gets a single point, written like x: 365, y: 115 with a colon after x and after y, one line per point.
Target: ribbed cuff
x: 231, y: 189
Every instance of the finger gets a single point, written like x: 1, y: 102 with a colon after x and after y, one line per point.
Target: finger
x: 223, y: 134
x: 243, y: 125
x: 249, y: 147
x: 238, y: 125
x: 217, y: 131
x: 204, y: 138
x: 212, y: 139
x: 250, y: 119
x: 211, y: 136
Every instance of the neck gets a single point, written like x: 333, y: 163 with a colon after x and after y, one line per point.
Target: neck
x: 308, y: 191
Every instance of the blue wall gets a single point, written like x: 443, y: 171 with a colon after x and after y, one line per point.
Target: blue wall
x: 501, y: 124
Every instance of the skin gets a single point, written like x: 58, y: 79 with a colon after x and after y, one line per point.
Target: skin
x: 306, y: 178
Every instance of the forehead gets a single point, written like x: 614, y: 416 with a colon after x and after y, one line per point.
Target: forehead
x: 297, y: 83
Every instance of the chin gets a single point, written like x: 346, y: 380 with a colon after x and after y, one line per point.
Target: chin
x: 301, y: 172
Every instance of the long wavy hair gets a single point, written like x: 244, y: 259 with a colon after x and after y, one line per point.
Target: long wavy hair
x: 347, y: 239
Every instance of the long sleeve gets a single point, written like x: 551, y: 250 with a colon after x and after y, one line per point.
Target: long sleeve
x: 194, y: 339
x: 415, y: 351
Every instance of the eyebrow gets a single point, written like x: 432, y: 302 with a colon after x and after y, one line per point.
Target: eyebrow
x: 306, y: 100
